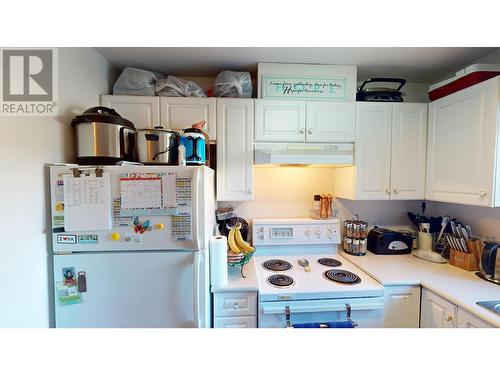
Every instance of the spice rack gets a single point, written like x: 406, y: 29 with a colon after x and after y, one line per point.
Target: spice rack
x: 354, y: 236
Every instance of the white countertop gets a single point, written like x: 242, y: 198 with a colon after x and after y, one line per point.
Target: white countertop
x: 236, y: 283
x: 458, y: 286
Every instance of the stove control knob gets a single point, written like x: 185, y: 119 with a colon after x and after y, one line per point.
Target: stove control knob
x: 260, y: 237
x: 260, y: 229
x: 307, y: 232
x: 317, y: 232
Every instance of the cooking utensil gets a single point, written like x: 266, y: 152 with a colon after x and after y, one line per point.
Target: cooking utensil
x: 444, y: 223
x: 425, y: 227
x: 465, y: 234
x: 103, y: 137
x: 469, y: 230
x: 157, y: 146
x: 453, y: 228
x: 305, y: 264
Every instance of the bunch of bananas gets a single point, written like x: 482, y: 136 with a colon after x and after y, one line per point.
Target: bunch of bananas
x: 237, y: 244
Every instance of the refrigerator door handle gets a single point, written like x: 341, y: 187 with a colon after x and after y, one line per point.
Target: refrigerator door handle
x: 196, y: 227
x: 198, y: 304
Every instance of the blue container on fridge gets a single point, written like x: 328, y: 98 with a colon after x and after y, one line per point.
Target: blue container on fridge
x: 194, y: 142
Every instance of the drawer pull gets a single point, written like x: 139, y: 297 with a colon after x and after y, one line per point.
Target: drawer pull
x: 236, y: 306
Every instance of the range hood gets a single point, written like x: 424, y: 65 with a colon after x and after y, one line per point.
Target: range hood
x: 334, y: 154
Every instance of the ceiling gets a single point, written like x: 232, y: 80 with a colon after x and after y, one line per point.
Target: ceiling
x: 414, y: 64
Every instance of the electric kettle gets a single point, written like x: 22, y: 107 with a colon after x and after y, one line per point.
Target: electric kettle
x: 490, y: 263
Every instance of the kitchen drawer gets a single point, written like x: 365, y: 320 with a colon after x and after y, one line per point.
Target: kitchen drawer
x: 236, y: 322
x: 235, y: 304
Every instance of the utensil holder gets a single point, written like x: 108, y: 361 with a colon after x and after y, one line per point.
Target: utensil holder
x: 425, y: 241
x: 468, y: 261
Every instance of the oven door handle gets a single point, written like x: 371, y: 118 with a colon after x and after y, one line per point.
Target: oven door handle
x: 294, y: 307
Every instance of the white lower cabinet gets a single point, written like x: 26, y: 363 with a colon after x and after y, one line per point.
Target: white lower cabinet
x: 234, y: 149
x: 236, y: 322
x: 436, y: 312
x: 235, y: 310
x: 468, y: 320
x: 402, y: 307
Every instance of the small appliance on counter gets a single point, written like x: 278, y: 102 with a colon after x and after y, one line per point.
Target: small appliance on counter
x: 103, y: 137
x: 389, y: 242
x: 194, y: 142
x: 354, y: 237
x: 157, y: 146
x: 490, y: 263
x: 380, y: 94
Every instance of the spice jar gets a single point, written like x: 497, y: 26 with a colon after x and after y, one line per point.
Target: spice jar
x: 355, y: 246
x: 347, y: 244
x: 355, y: 230
x: 362, y: 247
x: 348, y: 228
x: 363, y: 229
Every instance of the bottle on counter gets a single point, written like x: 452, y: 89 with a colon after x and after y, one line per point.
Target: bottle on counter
x: 316, y: 206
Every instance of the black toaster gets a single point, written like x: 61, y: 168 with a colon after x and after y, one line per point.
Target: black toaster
x: 386, y: 242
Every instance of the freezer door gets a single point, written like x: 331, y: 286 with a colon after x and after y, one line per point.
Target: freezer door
x: 146, y: 289
x: 189, y: 229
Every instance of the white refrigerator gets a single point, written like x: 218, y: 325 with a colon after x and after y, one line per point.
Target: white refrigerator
x: 130, y: 245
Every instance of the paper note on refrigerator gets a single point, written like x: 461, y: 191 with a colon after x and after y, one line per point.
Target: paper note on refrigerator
x: 87, y: 203
x: 140, y: 193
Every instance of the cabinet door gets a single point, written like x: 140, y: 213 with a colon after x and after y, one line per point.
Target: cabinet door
x: 436, y: 312
x: 461, y: 145
x: 372, y: 152
x: 330, y: 122
x: 235, y: 322
x: 143, y: 111
x: 409, y: 143
x: 181, y: 113
x: 402, y: 307
x: 467, y: 320
x: 280, y: 121
x: 234, y: 149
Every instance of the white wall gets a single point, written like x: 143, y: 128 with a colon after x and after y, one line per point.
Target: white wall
x: 284, y: 191
x: 26, y: 144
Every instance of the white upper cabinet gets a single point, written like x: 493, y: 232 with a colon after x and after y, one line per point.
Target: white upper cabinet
x: 143, y: 111
x: 462, y: 150
x: 181, y: 113
x: 389, y: 154
x: 372, y: 152
x: 280, y: 121
x: 328, y: 121
x: 409, y: 143
x: 235, y: 149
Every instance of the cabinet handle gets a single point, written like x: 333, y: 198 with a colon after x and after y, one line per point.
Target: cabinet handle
x: 302, y: 131
x: 249, y: 190
x: 482, y: 194
x: 388, y: 191
x: 236, y: 306
x: 448, y: 318
x: 309, y: 131
x: 396, y: 191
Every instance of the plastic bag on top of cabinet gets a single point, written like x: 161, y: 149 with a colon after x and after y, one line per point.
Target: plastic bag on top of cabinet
x: 173, y: 86
x: 133, y: 81
x: 233, y: 84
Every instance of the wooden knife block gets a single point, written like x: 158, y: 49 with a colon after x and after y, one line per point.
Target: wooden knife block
x: 468, y: 261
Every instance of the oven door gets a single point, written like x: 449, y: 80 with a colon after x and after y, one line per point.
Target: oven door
x: 366, y: 312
